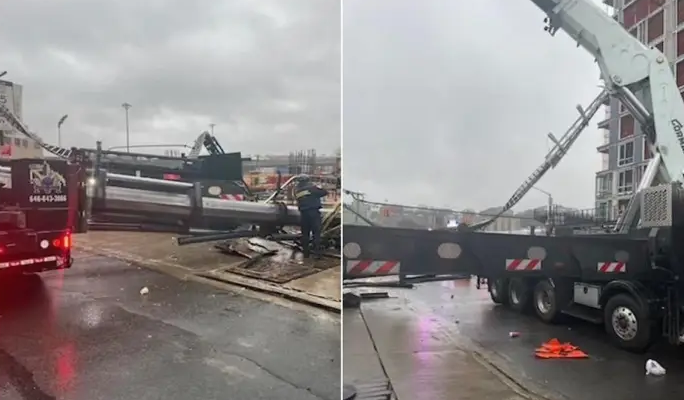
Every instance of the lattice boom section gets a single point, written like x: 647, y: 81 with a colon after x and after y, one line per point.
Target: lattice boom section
x: 656, y: 206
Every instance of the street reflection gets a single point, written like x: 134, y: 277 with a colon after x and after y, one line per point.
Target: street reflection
x: 28, y: 321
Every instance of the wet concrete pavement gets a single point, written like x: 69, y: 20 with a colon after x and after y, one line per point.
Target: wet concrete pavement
x: 451, y: 314
x: 88, y: 334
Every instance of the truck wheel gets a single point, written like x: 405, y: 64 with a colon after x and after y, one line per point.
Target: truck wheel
x: 545, y: 302
x: 518, y: 295
x: 498, y: 291
x: 627, y: 323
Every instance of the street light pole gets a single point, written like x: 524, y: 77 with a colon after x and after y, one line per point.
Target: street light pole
x: 126, y: 107
x: 549, y: 208
x: 212, y: 128
x: 59, y: 129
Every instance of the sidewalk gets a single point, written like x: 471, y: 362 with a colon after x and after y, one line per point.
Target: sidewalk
x: 318, y: 286
x: 422, y: 359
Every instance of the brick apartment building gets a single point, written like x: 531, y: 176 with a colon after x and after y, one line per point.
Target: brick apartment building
x: 659, y: 23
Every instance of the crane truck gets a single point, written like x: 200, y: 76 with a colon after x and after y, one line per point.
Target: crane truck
x: 37, y: 213
x: 630, y: 279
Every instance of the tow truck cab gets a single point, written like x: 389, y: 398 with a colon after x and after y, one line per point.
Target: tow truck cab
x: 37, y: 214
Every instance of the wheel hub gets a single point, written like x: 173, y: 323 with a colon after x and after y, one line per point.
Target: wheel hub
x: 515, y: 297
x: 624, y: 323
x: 544, y: 302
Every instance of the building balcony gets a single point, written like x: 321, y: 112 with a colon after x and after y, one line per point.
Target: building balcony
x: 603, y: 194
x: 605, y: 123
x: 603, y: 148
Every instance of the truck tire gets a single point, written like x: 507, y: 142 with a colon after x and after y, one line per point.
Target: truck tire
x: 498, y: 291
x: 545, y: 301
x: 627, y: 323
x: 518, y: 295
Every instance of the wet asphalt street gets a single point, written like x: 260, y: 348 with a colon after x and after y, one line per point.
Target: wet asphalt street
x: 88, y: 334
x: 457, y: 309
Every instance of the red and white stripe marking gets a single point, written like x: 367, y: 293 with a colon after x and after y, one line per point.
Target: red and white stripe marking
x: 370, y: 267
x: 523, y: 264
x: 613, y: 266
x: 28, y: 261
x: 233, y: 197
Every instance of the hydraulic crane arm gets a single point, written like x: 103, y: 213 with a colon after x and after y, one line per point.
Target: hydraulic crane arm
x: 627, y: 65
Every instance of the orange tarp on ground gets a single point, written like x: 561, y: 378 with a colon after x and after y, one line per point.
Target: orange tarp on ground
x: 555, y: 349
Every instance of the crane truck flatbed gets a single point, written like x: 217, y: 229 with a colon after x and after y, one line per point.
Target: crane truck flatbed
x: 630, y: 279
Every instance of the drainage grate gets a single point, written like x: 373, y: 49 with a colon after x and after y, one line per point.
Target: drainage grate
x: 380, y: 389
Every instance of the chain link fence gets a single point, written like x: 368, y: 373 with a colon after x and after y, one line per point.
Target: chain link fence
x: 361, y: 212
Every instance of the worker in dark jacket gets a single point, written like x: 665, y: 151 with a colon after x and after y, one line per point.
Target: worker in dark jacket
x: 308, y: 198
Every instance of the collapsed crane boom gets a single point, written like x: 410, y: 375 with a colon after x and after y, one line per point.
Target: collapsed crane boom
x: 559, y: 150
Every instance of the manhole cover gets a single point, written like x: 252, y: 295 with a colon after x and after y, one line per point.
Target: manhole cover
x: 272, y: 270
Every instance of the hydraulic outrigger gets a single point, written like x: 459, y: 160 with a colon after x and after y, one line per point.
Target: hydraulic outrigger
x: 629, y: 280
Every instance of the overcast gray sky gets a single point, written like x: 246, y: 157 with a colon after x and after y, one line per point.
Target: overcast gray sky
x: 266, y: 72
x: 448, y: 103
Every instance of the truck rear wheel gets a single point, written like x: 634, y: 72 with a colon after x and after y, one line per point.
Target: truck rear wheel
x: 498, y: 291
x: 627, y: 323
x: 545, y: 301
x: 518, y: 295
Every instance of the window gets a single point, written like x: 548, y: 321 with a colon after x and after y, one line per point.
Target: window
x: 625, y: 181
x: 680, y: 11
x: 629, y: 15
x: 680, y: 42
x: 622, y: 106
x: 648, y: 154
x: 626, y: 153
x: 680, y: 74
x: 655, y: 27
x: 660, y: 47
x: 602, y: 210
x: 17, y: 142
x: 24, y: 143
x: 36, y: 145
x: 639, y: 174
x: 627, y: 125
x: 604, y: 185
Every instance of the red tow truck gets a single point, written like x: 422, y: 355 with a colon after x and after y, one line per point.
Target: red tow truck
x: 38, y: 211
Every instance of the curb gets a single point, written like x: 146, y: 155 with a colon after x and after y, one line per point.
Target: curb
x: 181, y: 272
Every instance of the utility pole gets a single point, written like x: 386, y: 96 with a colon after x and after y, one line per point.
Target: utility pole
x: 212, y: 128
x: 126, y: 107
x: 59, y: 129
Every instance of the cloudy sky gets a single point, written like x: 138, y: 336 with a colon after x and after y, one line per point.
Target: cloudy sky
x: 266, y: 72
x: 448, y: 103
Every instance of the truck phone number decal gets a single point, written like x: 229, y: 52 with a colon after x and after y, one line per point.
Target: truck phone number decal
x: 48, y: 198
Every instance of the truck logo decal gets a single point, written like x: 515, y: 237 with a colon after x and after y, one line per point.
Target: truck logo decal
x: 677, y: 127
x: 48, y: 185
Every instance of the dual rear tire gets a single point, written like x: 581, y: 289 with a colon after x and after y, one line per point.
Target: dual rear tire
x: 626, y: 320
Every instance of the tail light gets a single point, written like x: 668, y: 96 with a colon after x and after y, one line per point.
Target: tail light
x: 64, y: 242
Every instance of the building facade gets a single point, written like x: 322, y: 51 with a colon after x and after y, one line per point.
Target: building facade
x: 658, y: 23
x: 14, y: 144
